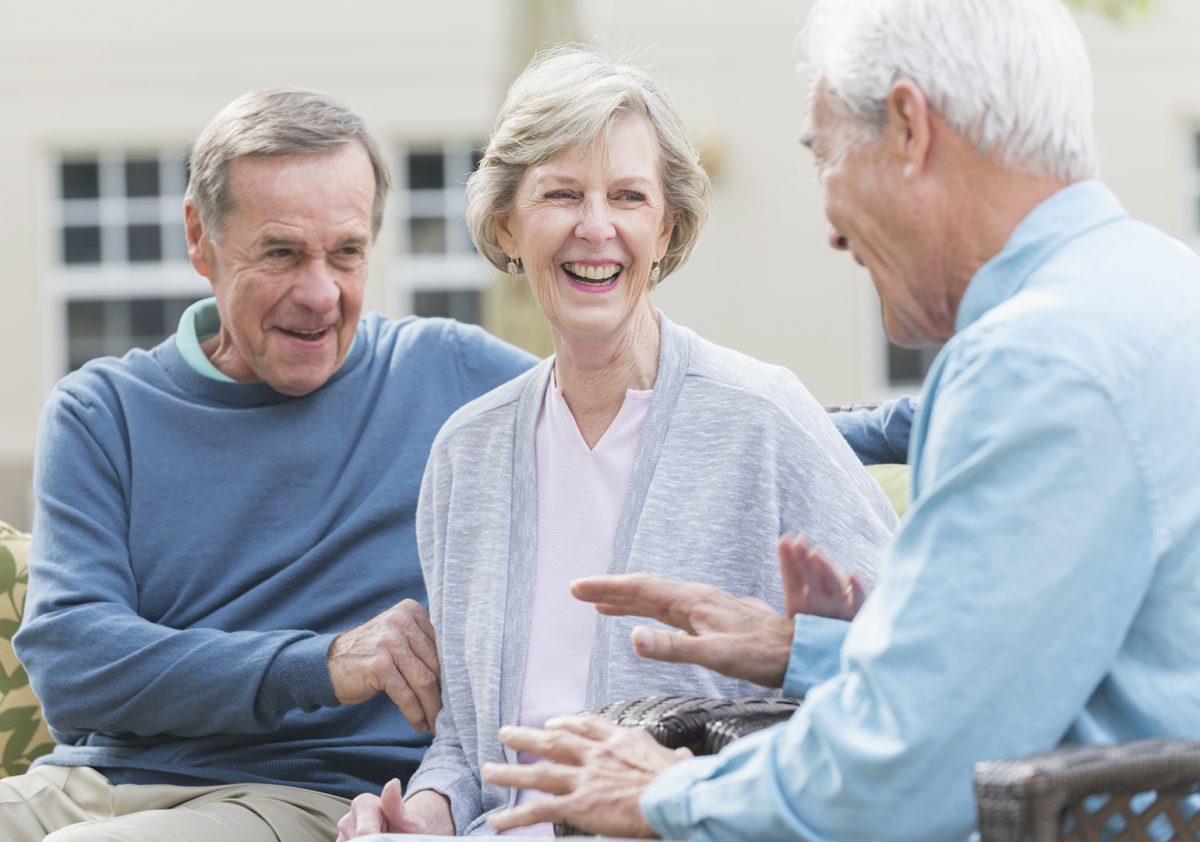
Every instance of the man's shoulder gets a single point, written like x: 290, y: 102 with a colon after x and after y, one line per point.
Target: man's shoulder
x: 422, y: 334
x: 1109, y: 308
x: 107, y: 380
x: 493, y: 409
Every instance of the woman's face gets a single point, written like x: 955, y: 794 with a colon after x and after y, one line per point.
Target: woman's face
x: 589, y: 225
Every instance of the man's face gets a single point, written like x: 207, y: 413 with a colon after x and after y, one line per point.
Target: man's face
x: 876, y: 214
x: 288, y: 265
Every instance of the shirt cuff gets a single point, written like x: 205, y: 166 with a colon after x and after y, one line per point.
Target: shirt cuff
x: 665, y: 803
x: 299, y: 677
x: 816, y: 653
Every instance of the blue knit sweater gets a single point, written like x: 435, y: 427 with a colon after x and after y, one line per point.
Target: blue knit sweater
x: 198, y: 545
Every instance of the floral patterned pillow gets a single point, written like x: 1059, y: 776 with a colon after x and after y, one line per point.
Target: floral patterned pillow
x: 23, y: 735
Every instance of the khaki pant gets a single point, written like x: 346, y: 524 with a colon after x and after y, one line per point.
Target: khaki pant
x: 75, y: 803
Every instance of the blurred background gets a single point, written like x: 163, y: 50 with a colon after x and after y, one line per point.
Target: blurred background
x: 100, y: 101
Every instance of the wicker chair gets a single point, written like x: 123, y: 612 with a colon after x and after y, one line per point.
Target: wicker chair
x: 1134, y: 791
x: 1125, y: 793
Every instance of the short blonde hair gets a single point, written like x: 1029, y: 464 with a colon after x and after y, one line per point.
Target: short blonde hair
x: 566, y: 98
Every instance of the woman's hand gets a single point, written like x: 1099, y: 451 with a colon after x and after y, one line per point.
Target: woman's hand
x: 812, y: 584
x: 426, y: 812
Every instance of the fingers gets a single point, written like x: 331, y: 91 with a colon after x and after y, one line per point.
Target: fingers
x: 639, y: 595
x: 396, y: 653
x: 663, y: 645
x: 365, y: 816
x: 858, y: 595
x: 814, y: 584
x: 420, y: 688
x: 391, y: 803
x: 588, y: 725
x: 556, y: 744
x: 416, y: 708
x: 553, y: 778
x: 531, y: 812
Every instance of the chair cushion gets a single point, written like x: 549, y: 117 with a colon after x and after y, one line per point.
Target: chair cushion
x: 895, y: 482
x: 24, y: 737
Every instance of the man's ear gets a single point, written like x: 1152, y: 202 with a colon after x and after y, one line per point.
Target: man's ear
x: 199, y: 243
x: 909, y: 126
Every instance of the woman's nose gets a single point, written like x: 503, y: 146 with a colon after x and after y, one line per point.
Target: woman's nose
x: 595, y: 226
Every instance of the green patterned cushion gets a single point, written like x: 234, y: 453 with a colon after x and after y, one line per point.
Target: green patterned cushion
x: 894, y: 479
x: 23, y: 735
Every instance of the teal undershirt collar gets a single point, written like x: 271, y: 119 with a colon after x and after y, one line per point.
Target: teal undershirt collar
x: 199, y: 322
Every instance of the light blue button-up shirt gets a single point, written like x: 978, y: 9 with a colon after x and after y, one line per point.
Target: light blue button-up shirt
x: 1045, y: 586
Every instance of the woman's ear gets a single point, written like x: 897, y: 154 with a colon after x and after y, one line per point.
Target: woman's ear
x: 505, y: 237
x: 664, y: 238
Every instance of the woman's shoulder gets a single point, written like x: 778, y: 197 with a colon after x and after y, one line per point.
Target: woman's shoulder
x: 727, y: 370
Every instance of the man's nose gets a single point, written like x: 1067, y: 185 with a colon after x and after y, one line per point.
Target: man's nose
x: 838, y: 240
x: 595, y: 226
x: 317, y: 288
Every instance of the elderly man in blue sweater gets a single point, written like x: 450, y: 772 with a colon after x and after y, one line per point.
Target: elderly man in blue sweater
x: 1043, y: 587
x: 217, y: 621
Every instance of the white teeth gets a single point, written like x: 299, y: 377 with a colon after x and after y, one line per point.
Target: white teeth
x: 593, y: 273
x: 309, y: 334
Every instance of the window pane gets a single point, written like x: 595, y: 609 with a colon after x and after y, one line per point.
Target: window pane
x: 463, y: 305
x: 426, y: 171
x: 909, y: 365
x: 80, y: 180
x: 427, y: 236
x: 144, y: 243
x: 141, y: 177
x: 146, y: 318
x: 173, y: 311
x: 81, y: 244
x: 85, y: 319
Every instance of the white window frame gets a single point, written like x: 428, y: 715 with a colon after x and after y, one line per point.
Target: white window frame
x: 459, y: 267
x: 115, y: 277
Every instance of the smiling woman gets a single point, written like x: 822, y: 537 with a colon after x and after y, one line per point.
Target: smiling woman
x: 637, y: 447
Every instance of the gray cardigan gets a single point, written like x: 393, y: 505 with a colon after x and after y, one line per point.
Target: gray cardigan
x: 733, y: 452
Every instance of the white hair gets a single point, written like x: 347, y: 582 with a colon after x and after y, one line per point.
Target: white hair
x: 1010, y: 76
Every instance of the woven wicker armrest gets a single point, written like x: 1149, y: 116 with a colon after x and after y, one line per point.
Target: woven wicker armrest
x: 1138, y: 790
x: 684, y: 721
x: 704, y: 725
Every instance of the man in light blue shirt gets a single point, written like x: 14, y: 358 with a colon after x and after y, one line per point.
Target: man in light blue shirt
x: 1043, y: 588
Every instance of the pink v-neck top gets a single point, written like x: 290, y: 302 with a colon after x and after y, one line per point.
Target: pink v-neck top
x: 579, y: 498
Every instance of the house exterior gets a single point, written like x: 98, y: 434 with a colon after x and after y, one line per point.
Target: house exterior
x: 102, y: 99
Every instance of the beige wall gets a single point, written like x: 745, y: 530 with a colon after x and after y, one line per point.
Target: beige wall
x: 76, y: 74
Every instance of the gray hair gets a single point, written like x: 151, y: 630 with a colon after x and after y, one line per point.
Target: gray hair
x: 1010, y: 76
x: 567, y: 97
x: 267, y: 123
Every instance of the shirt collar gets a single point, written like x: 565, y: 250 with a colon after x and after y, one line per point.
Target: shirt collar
x: 1068, y: 213
x: 202, y: 321
x: 199, y: 322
